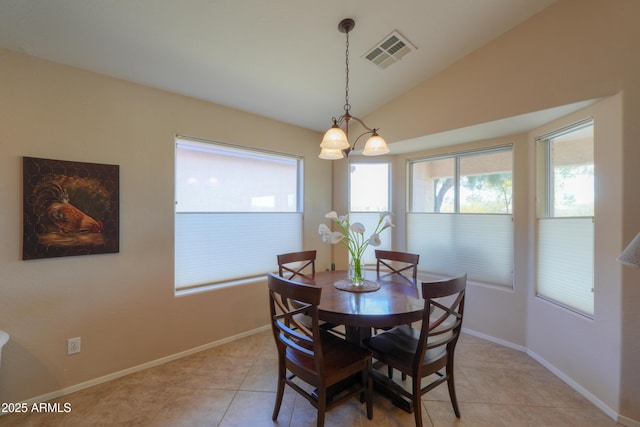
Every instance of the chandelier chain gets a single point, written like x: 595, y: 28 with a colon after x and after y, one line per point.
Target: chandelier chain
x: 347, y: 106
x: 335, y: 143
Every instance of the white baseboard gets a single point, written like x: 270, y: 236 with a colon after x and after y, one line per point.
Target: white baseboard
x: 628, y: 422
x: 63, y: 392
x: 570, y: 382
x: 495, y: 340
x: 574, y: 385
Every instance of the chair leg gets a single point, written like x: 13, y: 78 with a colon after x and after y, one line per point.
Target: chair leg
x: 404, y: 376
x: 363, y: 394
x: 280, y: 392
x: 417, y: 400
x: 369, y: 390
x: 322, y: 405
x: 390, y: 374
x: 452, y: 388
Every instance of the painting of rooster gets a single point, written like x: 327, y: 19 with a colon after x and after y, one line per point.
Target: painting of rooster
x: 70, y: 208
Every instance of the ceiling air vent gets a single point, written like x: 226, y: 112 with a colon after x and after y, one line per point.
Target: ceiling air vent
x: 389, y: 51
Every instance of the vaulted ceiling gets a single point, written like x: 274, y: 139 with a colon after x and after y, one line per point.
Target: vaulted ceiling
x: 283, y: 59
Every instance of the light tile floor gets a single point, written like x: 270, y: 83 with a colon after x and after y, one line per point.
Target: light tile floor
x: 233, y: 385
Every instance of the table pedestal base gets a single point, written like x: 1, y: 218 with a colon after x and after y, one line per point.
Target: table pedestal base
x: 336, y: 391
x: 381, y: 385
x: 385, y: 387
x: 356, y: 335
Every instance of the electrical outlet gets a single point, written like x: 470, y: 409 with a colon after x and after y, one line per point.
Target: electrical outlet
x: 73, y: 345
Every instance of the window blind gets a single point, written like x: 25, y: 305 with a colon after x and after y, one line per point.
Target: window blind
x: 565, y: 262
x: 236, y: 209
x: 476, y: 244
x: 218, y: 247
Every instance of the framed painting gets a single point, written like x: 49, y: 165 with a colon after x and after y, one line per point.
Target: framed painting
x: 70, y: 208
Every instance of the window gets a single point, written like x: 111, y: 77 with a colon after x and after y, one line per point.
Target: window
x: 486, y: 182
x: 369, y: 185
x: 432, y: 182
x: 564, y: 262
x: 233, y: 204
x: 460, y: 218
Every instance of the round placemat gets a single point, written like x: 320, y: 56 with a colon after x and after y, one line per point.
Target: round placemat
x: 347, y: 285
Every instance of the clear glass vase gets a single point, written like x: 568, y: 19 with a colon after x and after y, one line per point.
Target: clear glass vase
x: 356, y: 271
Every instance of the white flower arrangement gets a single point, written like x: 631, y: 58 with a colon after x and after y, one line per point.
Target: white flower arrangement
x: 352, y: 236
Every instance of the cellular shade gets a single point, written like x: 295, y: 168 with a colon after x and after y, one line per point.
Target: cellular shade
x: 451, y: 244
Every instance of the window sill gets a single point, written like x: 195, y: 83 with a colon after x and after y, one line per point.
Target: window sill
x: 216, y: 286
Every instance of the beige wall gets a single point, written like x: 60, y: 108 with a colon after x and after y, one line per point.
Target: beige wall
x: 573, y: 51
x: 121, y: 305
x: 562, y: 339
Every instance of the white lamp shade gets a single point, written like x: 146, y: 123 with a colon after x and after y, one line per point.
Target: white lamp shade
x: 335, y: 139
x: 631, y: 255
x: 375, y: 146
x: 331, y: 154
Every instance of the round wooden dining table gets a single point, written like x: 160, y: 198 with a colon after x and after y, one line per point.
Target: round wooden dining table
x: 396, y: 302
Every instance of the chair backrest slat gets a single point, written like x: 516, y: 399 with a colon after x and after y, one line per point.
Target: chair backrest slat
x: 397, y: 262
x: 289, y: 300
x: 294, y: 264
x: 442, y: 316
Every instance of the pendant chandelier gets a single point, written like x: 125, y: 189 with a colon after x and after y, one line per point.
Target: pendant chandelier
x: 335, y: 144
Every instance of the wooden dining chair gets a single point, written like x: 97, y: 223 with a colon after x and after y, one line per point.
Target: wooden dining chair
x: 312, y: 354
x: 294, y: 264
x: 302, y: 264
x: 430, y: 350
x: 397, y: 262
x: 402, y: 263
